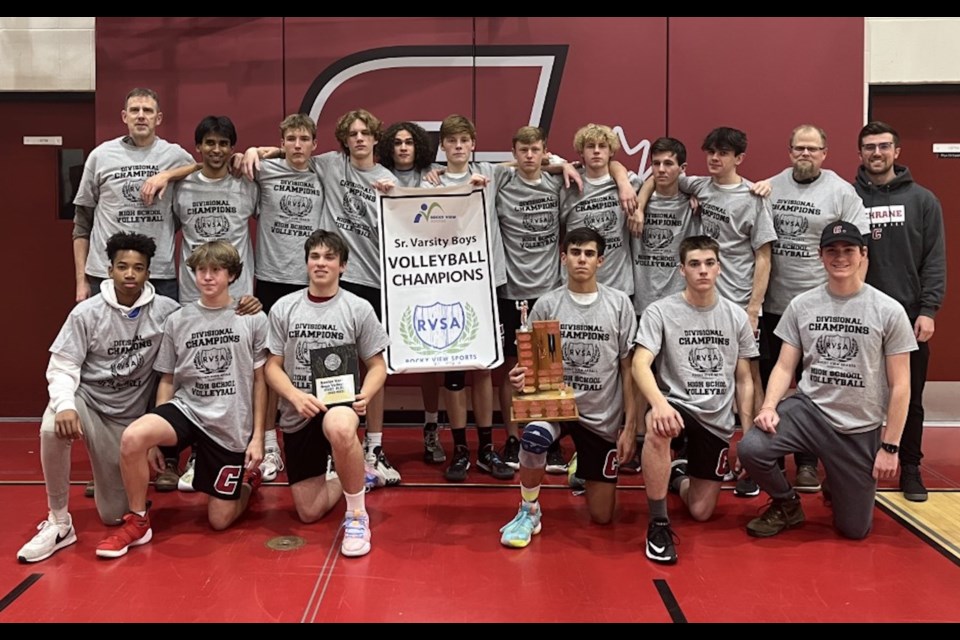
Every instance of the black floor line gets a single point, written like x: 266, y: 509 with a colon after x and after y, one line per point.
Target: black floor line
x: 670, y: 602
x: 18, y: 590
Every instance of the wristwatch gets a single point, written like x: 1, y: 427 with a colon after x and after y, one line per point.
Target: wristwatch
x: 890, y: 448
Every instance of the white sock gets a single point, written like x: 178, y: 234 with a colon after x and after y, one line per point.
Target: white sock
x: 431, y: 416
x: 355, y: 501
x: 62, y: 516
x: 373, y: 440
x: 270, y: 440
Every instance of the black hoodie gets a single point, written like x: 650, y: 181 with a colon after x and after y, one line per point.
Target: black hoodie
x: 907, y: 253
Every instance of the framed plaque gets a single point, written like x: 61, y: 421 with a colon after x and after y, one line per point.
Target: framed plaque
x: 336, y: 374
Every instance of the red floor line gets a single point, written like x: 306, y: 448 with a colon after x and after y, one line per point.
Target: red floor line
x: 320, y: 578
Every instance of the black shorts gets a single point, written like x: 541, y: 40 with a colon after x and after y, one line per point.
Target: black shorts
x: 769, y: 322
x: 762, y: 337
x: 510, y: 322
x: 369, y: 294
x: 218, y: 471
x: 305, y: 451
x: 706, y: 453
x: 269, y: 292
x: 596, y: 458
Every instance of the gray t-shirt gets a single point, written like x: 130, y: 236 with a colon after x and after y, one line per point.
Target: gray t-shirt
x: 594, y: 339
x: 215, y: 210
x: 498, y: 176
x: 291, y: 202
x: 656, y: 254
x: 112, y: 177
x: 741, y: 223
x: 412, y: 177
x: 598, y: 207
x: 697, y: 350
x: 298, y: 325
x: 800, y: 214
x: 845, y: 341
x: 116, y: 352
x: 529, y: 216
x: 350, y: 209
x: 212, y: 354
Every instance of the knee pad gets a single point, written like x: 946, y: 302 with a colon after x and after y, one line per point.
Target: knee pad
x: 537, y: 437
x: 454, y: 380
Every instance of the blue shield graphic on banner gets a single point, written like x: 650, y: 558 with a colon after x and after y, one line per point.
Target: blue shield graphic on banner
x: 439, y: 325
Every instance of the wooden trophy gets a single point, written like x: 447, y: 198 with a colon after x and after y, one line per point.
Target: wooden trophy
x: 544, y: 395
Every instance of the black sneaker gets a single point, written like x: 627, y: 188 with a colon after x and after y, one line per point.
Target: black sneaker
x: 911, y: 484
x: 746, y: 488
x: 632, y: 465
x: 490, y: 462
x: 781, y: 514
x: 457, y: 471
x: 511, y: 452
x: 660, y: 542
x: 827, y: 494
x: 555, y: 462
x: 678, y: 471
x: 432, y: 449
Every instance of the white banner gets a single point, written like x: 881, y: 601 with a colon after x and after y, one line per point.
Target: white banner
x: 438, y: 297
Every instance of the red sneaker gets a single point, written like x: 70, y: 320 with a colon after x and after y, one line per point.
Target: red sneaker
x: 254, y: 478
x: 134, y: 531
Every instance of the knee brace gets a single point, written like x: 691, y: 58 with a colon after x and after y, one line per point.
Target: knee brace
x: 534, y: 442
x: 454, y: 380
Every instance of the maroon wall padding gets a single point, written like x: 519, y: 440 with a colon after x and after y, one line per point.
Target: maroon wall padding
x: 923, y: 118
x: 37, y: 251
x: 765, y: 76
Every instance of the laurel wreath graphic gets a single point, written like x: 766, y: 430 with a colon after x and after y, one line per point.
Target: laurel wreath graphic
x: 408, y: 335
x: 825, y: 342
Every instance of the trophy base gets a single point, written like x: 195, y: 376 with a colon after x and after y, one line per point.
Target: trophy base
x: 556, y: 405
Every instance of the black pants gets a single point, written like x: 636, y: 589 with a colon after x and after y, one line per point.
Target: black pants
x: 910, y: 442
x: 769, y: 324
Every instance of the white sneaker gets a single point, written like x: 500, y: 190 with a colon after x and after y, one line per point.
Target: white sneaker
x: 331, y: 470
x: 272, y: 465
x: 185, y: 483
x: 356, y: 534
x: 50, y: 538
x: 390, y: 475
x: 373, y: 477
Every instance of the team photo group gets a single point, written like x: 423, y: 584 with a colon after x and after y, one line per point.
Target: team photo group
x: 688, y: 308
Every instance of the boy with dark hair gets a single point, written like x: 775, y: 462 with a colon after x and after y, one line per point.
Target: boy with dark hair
x: 349, y: 177
x: 212, y: 395
x: 735, y: 213
x: 851, y: 402
x: 325, y: 315
x: 599, y: 321
x: 406, y: 150
x: 702, y: 344
x: 99, y: 378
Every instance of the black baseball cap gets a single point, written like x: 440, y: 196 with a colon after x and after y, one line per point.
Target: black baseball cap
x: 841, y: 231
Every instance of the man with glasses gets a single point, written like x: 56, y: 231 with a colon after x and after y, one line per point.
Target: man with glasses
x: 805, y: 200
x: 907, y: 262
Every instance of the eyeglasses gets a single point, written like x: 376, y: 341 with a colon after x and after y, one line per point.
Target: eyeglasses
x: 800, y: 149
x: 883, y: 146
